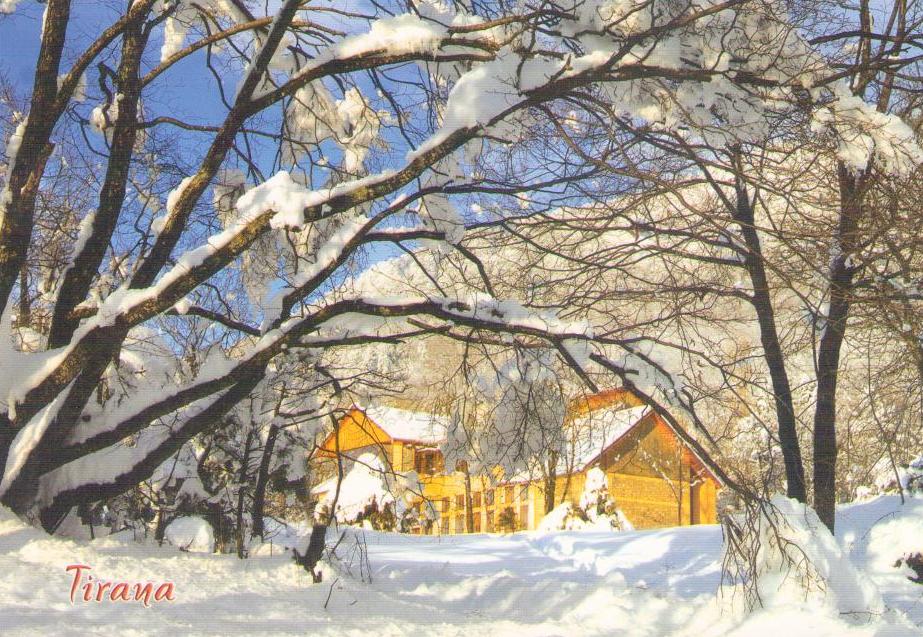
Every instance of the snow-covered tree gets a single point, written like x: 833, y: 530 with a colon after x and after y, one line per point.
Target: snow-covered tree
x: 768, y: 248
x: 356, y: 132
x: 515, y: 421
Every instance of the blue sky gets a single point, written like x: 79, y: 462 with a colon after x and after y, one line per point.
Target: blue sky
x: 186, y: 91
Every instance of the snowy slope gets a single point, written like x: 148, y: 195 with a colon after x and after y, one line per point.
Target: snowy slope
x: 637, y: 583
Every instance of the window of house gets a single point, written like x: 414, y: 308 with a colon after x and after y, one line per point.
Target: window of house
x: 509, y: 495
x: 429, y: 461
x: 490, y: 521
x: 459, y: 523
x: 460, y: 501
x: 477, y: 522
x: 406, y: 457
x: 444, y: 505
x: 444, y: 524
x: 476, y: 499
x: 524, y: 517
x: 524, y: 493
x: 489, y: 497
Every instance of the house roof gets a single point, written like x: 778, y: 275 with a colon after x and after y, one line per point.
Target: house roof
x: 595, y: 432
x: 408, y: 426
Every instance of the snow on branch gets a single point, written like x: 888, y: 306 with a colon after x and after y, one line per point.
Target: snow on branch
x: 865, y: 134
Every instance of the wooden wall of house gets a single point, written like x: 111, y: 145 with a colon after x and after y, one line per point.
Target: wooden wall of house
x: 649, y: 501
x: 447, y: 493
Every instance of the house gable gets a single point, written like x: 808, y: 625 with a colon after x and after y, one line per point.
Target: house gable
x: 649, y: 438
x: 355, y: 431
x: 651, y: 448
x: 405, y: 440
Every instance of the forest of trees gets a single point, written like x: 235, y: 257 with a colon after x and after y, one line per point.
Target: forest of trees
x: 221, y: 221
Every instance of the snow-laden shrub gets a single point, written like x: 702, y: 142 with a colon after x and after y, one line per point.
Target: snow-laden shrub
x: 191, y: 533
x: 596, y: 512
x: 372, y: 496
x: 785, y: 555
x: 896, y: 541
x: 598, y: 505
x: 911, y: 476
x: 886, y: 478
x: 564, y: 517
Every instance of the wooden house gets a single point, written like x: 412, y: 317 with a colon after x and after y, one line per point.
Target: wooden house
x: 652, y: 475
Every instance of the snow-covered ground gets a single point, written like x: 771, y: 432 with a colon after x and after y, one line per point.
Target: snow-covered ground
x: 641, y: 583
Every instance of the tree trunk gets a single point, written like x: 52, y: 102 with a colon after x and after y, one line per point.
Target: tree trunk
x: 25, y: 173
x: 79, y: 277
x: 262, y: 481
x: 25, y: 307
x: 469, y: 510
x: 7, y: 434
x: 160, y: 525
x: 241, y: 491
x: 772, y: 350
x: 828, y: 355
x: 314, y: 552
x: 550, y: 484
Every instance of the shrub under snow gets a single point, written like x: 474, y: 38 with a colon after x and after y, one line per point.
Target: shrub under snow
x: 911, y: 476
x: 888, y: 478
x: 597, y: 510
x: 371, y: 495
x: 191, y: 533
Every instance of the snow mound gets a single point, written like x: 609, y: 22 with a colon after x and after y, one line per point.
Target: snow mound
x: 893, y: 535
x: 191, y: 533
x: 362, y: 486
x: 911, y: 476
x: 800, y: 561
x: 567, y: 517
x: 10, y: 523
x: 561, y: 517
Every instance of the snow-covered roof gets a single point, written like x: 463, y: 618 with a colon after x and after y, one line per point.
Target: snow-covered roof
x: 600, y: 429
x: 326, y: 486
x: 415, y: 426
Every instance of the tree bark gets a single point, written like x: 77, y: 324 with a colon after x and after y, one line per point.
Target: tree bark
x: 262, y: 481
x: 25, y: 307
x: 828, y: 355
x: 315, y: 551
x: 469, y: 510
x: 772, y: 349
x: 550, y: 484
x: 25, y: 172
x: 79, y: 277
x: 241, y: 492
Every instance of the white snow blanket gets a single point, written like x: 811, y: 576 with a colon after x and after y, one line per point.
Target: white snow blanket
x: 635, y: 583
